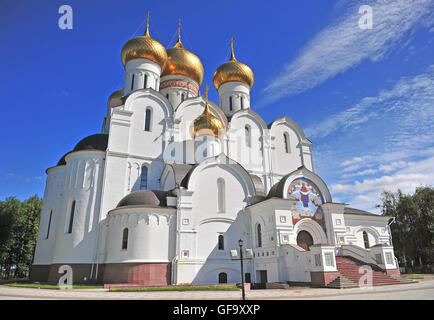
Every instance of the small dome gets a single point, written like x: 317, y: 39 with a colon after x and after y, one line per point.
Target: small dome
x: 144, y: 47
x: 94, y: 142
x: 180, y: 61
x: 115, y: 99
x: 62, y: 160
x: 146, y: 198
x: 207, y: 124
x: 233, y: 70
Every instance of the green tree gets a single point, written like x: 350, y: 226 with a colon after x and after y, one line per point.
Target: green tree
x: 19, y: 222
x: 412, y: 232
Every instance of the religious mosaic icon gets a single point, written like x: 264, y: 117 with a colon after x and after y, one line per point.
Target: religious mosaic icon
x: 308, y: 198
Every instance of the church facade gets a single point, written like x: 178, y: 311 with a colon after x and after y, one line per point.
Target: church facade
x: 165, y: 192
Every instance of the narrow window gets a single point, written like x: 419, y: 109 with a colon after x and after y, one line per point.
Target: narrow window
x: 247, y: 278
x: 148, y: 115
x: 132, y: 83
x: 223, y: 277
x: 259, y: 236
x: 125, y: 239
x: 49, y: 224
x: 182, y: 97
x: 366, y: 239
x: 145, y: 81
x: 71, y: 216
x: 167, y: 96
x: 286, y: 141
x: 242, y: 102
x: 221, y: 195
x: 247, y: 133
x: 230, y: 103
x: 328, y: 257
x: 144, y: 178
x: 221, y: 242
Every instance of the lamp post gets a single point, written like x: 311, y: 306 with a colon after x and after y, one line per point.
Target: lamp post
x: 240, y: 243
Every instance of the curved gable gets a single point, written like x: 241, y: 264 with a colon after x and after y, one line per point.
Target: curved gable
x: 154, y: 96
x: 250, y: 114
x: 221, y: 160
x: 280, y: 189
x: 292, y: 125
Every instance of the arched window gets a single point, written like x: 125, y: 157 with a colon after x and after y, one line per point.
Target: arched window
x: 242, y: 102
x: 230, y: 104
x: 167, y: 96
x: 182, y: 97
x: 258, y: 236
x: 223, y: 277
x: 125, y: 239
x: 132, y: 83
x: 366, y: 239
x: 221, y: 242
x: 221, y: 193
x: 286, y: 141
x: 47, y: 234
x: 71, y: 216
x: 148, y: 115
x: 144, y: 178
x: 145, y: 81
x: 247, y: 133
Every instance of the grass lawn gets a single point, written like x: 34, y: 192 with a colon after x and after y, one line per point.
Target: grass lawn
x: 50, y: 286
x: 178, y: 288
x: 415, y: 277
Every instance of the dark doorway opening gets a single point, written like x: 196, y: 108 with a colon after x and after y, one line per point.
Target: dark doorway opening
x: 304, y: 240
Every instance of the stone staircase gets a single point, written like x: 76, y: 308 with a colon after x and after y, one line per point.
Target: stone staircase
x: 349, y: 275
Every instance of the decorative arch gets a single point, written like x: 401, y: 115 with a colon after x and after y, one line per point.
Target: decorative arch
x: 369, y: 230
x: 214, y: 108
x: 303, y: 172
x: 250, y: 114
x: 153, y: 96
x: 314, y: 229
x: 292, y: 125
x: 231, y: 166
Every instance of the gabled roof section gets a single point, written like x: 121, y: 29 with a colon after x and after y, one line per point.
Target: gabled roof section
x: 348, y: 210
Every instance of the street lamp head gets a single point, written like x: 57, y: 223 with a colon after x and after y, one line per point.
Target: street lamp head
x: 240, y: 242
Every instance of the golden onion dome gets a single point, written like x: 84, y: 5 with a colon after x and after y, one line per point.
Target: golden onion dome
x: 233, y: 70
x: 207, y: 123
x: 115, y: 99
x: 180, y: 61
x: 144, y: 47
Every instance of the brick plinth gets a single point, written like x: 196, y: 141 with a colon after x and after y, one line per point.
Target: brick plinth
x: 321, y: 279
x: 145, y: 274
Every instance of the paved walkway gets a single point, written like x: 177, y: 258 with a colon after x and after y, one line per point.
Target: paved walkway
x: 423, y: 290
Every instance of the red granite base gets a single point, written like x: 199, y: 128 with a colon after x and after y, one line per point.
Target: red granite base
x: 393, y: 272
x: 321, y: 279
x: 145, y: 274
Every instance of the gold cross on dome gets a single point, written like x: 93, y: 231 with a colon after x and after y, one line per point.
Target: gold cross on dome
x: 179, y: 29
x: 206, y: 91
x: 147, y: 24
x: 232, y: 48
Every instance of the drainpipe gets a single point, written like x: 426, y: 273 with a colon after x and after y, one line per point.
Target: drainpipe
x: 390, y: 231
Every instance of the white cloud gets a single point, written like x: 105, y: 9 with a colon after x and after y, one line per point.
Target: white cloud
x: 393, y: 166
x: 413, y: 94
x: 343, y: 45
x: 365, y: 194
x: 359, y: 173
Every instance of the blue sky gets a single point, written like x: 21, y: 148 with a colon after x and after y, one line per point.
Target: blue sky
x: 365, y: 98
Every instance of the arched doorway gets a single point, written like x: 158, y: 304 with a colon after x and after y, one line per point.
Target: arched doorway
x: 223, y: 277
x: 304, y: 240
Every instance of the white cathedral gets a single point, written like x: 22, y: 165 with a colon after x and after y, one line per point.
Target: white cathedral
x: 165, y: 192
